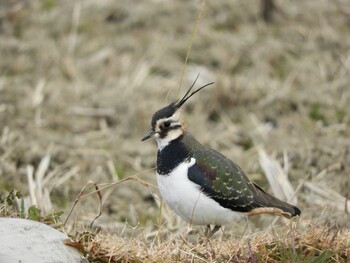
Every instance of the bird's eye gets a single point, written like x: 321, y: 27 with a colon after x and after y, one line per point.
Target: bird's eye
x: 166, y: 124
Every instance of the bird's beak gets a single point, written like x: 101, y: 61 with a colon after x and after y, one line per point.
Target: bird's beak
x: 148, y: 135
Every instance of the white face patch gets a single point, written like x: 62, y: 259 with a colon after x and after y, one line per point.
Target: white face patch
x: 172, y: 132
x: 175, y: 120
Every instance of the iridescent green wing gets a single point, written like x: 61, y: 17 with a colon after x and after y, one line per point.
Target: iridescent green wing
x: 222, y: 180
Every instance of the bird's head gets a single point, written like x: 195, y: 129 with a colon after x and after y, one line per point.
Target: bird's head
x: 167, y: 123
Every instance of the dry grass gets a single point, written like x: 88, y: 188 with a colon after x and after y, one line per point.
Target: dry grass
x: 316, y: 244
x: 79, y: 81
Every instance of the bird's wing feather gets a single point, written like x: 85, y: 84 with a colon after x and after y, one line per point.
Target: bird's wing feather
x: 225, y: 182
x: 222, y: 180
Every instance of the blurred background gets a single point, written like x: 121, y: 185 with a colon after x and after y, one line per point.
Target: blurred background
x: 80, y: 81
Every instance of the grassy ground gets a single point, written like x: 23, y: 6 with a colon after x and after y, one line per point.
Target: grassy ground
x: 80, y: 80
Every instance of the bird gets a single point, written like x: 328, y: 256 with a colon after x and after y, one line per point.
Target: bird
x: 201, y: 185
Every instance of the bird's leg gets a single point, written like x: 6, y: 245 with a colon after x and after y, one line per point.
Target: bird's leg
x: 208, y: 233
x: 212, y: 232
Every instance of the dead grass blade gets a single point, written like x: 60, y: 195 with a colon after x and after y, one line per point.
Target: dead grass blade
x: 277, y: 178
x: 38, y: 193
x: 325, y: 196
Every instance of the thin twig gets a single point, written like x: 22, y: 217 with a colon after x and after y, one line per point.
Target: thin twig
x: 98, y: 190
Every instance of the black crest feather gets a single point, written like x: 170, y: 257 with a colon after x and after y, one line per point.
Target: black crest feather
x: 179, y: 103
x: 169, y: 110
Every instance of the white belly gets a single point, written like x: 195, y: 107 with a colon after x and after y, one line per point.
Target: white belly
x: 186, y: 199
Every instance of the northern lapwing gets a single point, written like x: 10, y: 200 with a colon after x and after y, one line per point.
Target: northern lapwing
x: 200, y: 184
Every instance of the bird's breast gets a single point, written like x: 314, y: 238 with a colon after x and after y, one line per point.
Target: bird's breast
x: 187, y: 199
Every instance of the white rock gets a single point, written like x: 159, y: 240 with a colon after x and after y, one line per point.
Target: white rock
x: 28, y: 241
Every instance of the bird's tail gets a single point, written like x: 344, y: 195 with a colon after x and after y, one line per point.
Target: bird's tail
x: 268, y: 204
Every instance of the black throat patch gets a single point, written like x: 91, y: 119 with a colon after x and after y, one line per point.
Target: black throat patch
x: 171, y: 156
